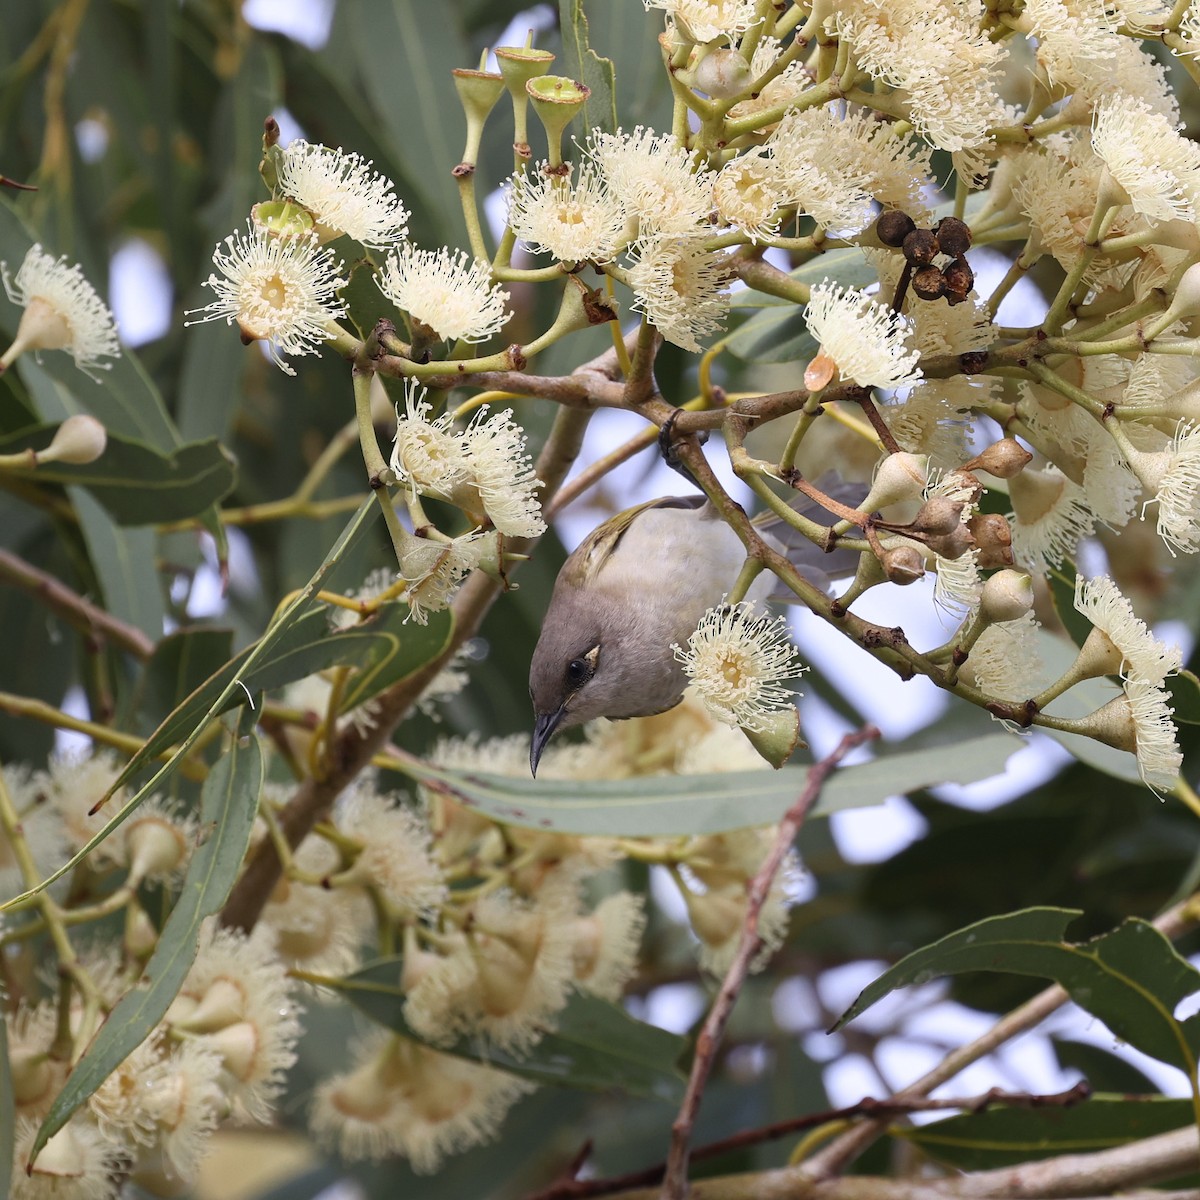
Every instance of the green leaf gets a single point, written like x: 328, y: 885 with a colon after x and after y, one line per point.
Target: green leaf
x: 674, y: 805
x: 1131, y: 978
x: 383, y: 651
x: 1062, y: 592
x: 595, y: 1045
x: 125, y: 561
x: 181, y: 662
x: 585, y: 65
x: 228, y: 804
x: 1001, y: 1137
x: 848, y: 267
x: 406, y: 50
x: 136, y: 483
x: 1184, y: 690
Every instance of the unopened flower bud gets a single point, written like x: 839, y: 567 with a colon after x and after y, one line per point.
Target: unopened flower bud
x: 722, y: 74
x: 993, y: 537
x: 893, y: 227
x: 903, y: 564
x: 79, y: 439
x: 282, y: 218
x: 1006, y: 596
x: 156, y: 848
x: 1004, y: 459
x: 1186, y: 301
x: 140, y: 935
x: 716, y: 915
x: 938, y: 516
x: 900, y: 476
x: 928, y: 282
x: 954, y: 236
x: 920, y: 247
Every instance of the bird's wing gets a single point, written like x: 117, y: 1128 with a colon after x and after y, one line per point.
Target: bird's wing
x: 594, y: 551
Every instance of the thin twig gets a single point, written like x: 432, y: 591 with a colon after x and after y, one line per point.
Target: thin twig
x: 571, y: 1188
x: 675, y: 1182
x: 87, y: 617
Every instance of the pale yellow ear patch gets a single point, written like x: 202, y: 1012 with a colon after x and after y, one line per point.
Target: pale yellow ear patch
x: 592, y: 657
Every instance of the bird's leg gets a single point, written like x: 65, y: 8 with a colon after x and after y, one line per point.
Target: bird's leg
x: 666, y: 447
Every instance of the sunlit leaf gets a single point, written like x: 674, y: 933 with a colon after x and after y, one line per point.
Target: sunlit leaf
x: 1131, y: 978
x: 670, y: 805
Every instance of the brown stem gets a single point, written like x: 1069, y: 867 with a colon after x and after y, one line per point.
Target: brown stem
x: 877, y: 422
x: 85, y: 616
x: 675, y: 1180
x: 572, y: 1188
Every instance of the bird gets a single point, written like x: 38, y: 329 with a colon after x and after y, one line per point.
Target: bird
x: 634, y: 588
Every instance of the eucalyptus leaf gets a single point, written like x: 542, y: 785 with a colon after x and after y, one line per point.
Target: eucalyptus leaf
x: 590, y: 68
x: 124, y: 561
x: 228, y: 805
x: 136, y: 483
x: 779, y: 333
x: 1131, y: 978
x: 594, y: 1045
x: 675, y: 805
x: 406, y: 50
x: 1001, y: 1137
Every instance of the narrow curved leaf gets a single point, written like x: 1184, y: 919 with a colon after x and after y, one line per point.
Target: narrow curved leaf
x: 594, y: 1045
x: 1131, y: 978
x: 673, y: 805
x: 1001, y: 1137
x: 228, y: 804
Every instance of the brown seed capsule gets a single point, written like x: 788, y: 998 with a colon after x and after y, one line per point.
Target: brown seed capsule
x: 938, y: 516
x: 928, y: 282
x: 903, y: 564
x: 960, y: 279
x: 954, y: 544
x: 893, y: 227
x: 994, y: 539
x: 954, y: 236
x: 1004, y: 459
x: 920, y: 247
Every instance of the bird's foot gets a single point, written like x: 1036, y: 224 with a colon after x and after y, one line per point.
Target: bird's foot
x: 667, y: 447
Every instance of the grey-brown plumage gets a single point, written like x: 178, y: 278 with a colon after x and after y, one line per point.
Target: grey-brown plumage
x: 637, y: 586
x: 605, y: 648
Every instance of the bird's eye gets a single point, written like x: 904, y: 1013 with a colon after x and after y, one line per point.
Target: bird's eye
x: 579, y: 670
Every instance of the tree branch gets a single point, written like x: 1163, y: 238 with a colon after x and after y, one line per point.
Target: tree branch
x: 85, y: 616
x: 675, y: 1181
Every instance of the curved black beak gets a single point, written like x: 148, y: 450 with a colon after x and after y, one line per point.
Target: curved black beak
x: 543, y: 730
